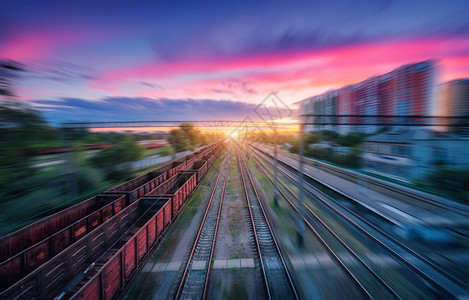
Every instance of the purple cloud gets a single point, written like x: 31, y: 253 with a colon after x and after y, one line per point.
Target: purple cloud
x: 133, y: 109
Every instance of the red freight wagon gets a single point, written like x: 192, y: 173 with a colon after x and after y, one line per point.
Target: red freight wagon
x: 209, y: 160
x: 156, y: 226
x: 165, y: 186
x: 135, y: 245
x: 122, y: 260
x: 129, y: 258
x: 48, y: 278
x: 179, y: 192
x: 171, y: 165
x: 200, y: 167
x: 19, y: 240
x: 190, y: 160
x: 139, y: 186
x: 176, y: 167
x: 32, y: 257
x: 111, y: 276
x: 162, y: 203
x: 141, y: 240
x: 90, y: 239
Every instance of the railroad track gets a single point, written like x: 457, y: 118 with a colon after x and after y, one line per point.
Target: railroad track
x: 347, y: 270
x: 429, y: 269
x: 415, y: 198
x: 326, y: 234
x: 194, y: 281
x: 277, y: 282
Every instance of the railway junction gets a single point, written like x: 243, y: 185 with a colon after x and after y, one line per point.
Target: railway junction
x: 206, y: 226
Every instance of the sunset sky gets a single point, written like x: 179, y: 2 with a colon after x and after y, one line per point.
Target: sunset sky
x: 107, y: 61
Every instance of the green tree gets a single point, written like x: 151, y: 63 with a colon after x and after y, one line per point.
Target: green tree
x: 351, y: 160
x: 21, y: 128
x: 204, y: 139
x: 449, y: 181
x: 115, y: 161
x: 320, y: 153
x: 192, y: 134
x: 166, y: 151
x: 8, y: 70
x: 328, y: 135
x: 351, y: 139
x: 311, y: 138
x: 178, y: 140
x: 295, y: 147
x: 186, y: 137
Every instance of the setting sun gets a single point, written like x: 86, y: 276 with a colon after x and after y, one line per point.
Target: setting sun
x: 233, y: 134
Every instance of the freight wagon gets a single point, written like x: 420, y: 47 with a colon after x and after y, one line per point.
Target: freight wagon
x: 109, y: 275
x: 26, y: 249
x: 90, y: 235
x: 190, y: 159
x: 21, y: 239
x: 50, y: 277
x: 165, y: 186
x: 210, y: 160
x: 180, y: 191
x: 29, y: 259
x: 200, y: 167
x: 199, y: 153
x: 176, y: 166
x: 139, y: 186
x: 178, y: 186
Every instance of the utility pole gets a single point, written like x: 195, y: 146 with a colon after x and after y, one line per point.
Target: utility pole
x: 275, y: 167
x: 301, y: 224
x: 246, y: 140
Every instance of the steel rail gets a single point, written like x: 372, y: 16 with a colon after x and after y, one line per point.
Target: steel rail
x: 449, y: 206
x: 264, y: 276
x: 289, y: 279
x: 316, y: 191
x: 350, y: 250
x: 378, y: 241
x: 199, y: 232
x: 215, y: 234
x: 320, y: 238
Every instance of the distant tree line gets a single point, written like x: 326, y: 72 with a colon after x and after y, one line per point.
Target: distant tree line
x: 28, y: 191
x: 187, y: 137
x: 351, y: 155
x: 450, y: 182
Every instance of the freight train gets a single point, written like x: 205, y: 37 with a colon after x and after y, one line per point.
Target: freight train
x: 62, y: 149
x: 90, y: 250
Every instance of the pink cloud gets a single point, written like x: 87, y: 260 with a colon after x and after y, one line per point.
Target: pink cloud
x: 302, y: 70
x: 32, y: 45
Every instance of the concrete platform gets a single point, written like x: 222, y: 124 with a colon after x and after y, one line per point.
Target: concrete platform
x: 201, y: 265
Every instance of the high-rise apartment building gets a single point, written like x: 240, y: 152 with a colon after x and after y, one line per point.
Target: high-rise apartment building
x: 453, y: 101
x: 406, y: 91
x: 365, y: 95
x: 324, y: 105
x: 345, y: 106
x: 410, y: 92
